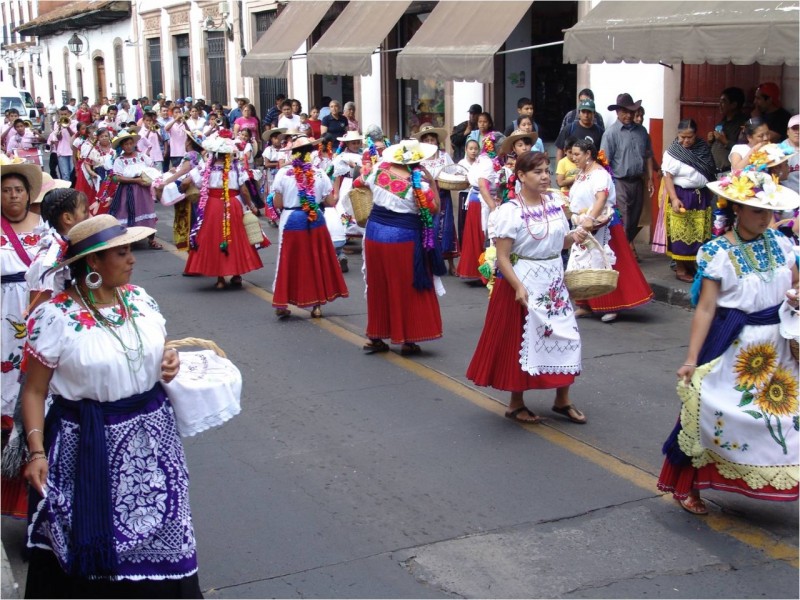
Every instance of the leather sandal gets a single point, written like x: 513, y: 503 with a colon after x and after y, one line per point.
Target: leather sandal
x: 572, y: 413
x: 694, y: 505
x: 375, y: 347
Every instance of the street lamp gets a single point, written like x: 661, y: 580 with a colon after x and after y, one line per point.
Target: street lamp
x: 75, y: 44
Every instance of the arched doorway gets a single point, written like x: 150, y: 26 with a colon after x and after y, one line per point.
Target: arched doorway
x: 99, y: 78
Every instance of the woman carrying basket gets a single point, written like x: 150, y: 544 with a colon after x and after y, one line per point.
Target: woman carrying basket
x: 593, y: 198
x: 530, y: 338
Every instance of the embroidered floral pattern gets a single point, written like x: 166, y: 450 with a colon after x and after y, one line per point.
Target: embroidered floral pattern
x: 553, y: 300
x: 395, y: 185
x: 719, y: 425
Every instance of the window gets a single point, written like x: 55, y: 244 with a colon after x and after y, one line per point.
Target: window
x: 268, y: 87
x: 119, y: 70
x: 421, y: 100
x: 79, y: 82
x: 65, y: 91
x: 154, y: 59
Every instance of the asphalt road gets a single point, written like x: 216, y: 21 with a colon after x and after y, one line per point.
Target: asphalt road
x: 386, y: 477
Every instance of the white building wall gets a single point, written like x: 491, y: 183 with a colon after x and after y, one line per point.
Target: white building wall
x: 370, y: 103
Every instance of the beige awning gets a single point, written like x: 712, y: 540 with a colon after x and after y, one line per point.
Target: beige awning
x: 458, y: 40
x: 346, y: 48
x: 717, y: 33
x: 270, y: 55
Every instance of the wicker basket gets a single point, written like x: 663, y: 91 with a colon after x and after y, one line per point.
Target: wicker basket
x: 253, y: 228
x: 584, y: 284
x: 361, y: 199
x: 192, y: 342
x: 795, y: 349
x: 192, y: 193
x: 452, y: 186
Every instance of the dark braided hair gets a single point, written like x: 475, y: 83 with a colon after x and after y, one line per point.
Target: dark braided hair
x: 59, y: 202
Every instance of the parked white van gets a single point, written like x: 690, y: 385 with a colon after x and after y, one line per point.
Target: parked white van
x: 11, y: 97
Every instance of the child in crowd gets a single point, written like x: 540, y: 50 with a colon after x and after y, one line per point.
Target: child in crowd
x: 566, y: 170
x: 471, y: 152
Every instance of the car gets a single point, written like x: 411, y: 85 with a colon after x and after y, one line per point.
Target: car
x: 12, y: 97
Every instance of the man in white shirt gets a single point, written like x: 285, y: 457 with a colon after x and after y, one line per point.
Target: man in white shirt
x: 288, y: 120
x: 123, y: 116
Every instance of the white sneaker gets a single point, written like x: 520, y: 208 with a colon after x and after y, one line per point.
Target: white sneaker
x: 608, y: 317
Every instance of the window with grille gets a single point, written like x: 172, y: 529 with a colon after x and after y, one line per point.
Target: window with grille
x: 119, y: 70
x: 154, y: 59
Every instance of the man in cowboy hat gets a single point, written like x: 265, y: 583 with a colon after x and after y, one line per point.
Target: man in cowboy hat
x: 630, y: 154
x: 460, y: 133
x: 241, y: 102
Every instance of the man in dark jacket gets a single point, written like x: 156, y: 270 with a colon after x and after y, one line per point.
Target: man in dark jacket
x: 461, y: 132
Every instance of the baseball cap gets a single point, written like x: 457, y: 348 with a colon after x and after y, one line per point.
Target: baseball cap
x: 795, y: 120
x: 188, y: 98
x: 180, y: 101
x: 586, y: 105
x: 475, y: 108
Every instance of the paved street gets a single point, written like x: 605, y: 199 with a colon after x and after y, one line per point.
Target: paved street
x: 380, y: 476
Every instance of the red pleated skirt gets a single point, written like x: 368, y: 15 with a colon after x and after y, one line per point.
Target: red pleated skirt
x: 82, y: 185
x: 472, y: 244
x: 14, y: 497
x: 680, y: 480
x: 308, y: 272
x: 209, y: 259
x: 395, y: 308
x: 495, y: 362
x: 632, y: 287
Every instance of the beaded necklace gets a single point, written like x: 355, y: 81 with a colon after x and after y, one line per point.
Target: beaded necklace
x: 226, y: 207
x: 304, y: 178
x: 766, y: 275
x: 529, y: 214
x: 423, y: 206
x: 134, y: 355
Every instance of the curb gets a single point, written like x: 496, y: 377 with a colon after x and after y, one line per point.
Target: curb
x: 8, y: 585
x: 664, y: 291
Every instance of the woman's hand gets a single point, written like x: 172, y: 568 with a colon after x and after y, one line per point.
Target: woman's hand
x: 677, y: 206
x: 522, y: 296
x: 35, y: 473
x: 793, y: 298
x: 579, y: 235
x: 686, y: 372
x: 170, y: 365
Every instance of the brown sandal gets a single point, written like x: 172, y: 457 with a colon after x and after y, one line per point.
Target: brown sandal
x: 694, y: 505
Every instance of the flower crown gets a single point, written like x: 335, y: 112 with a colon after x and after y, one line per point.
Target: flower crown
x: 406, y: 155
x: 746, y: 184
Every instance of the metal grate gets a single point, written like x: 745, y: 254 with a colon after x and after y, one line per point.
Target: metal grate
x: 154, y: 58
x: 268, y: 87
x: 217, y: 69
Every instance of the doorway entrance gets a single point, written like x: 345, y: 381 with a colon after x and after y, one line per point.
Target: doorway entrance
x: 99, y: 78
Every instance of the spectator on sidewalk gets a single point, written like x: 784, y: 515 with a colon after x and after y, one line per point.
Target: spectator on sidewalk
x: 726, y: 132
x: 767, y: 106
x: 274, y: 113
x: 460, y: 133
x: 584, y: 127
x: 335, y: 124
x: 584, y: 94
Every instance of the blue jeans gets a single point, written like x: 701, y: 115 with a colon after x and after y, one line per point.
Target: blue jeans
x: 339, y: 247
x: 65, y: 167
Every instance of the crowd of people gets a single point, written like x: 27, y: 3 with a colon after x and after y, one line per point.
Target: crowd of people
x: 727, y: 217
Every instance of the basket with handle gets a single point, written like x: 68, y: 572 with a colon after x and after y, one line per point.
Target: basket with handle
x: 207, y: 390
x: 584, y: 284
x: 361, y: 200
x: 452, y: 178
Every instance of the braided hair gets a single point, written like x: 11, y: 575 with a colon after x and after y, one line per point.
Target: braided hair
x: 59, y: 202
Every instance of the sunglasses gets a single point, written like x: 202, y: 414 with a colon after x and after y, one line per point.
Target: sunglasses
x: 795, y: 127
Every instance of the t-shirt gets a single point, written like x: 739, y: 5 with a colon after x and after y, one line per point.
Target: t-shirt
x: 289, y: 123
x: 578, y: 131
x: 337, y: 127
x: 568, y: 168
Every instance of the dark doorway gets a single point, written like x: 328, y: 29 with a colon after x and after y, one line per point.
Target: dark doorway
x: 217, y: 69
x: 182, y: 52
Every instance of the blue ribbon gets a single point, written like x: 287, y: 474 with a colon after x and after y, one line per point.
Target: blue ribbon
x: 96, y: 238
x: 13, y: 278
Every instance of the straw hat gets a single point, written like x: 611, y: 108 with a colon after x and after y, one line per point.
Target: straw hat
x: 197, y: 138
x: 124, y: 135
x: 351, y: 136
x: 30, y: 172
x: 244, y: 99
x: 269, y: 133
x: 48, y: 184
x: 299, y: 141
x: 508, y: 144
x: 757, y: 189
x: 100, y: 233
x: 770, y: 155
x: 439, y: 132
x: 409, y: 152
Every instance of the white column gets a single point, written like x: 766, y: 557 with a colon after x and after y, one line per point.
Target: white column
x: 298, y: 76
x: 370, y: 101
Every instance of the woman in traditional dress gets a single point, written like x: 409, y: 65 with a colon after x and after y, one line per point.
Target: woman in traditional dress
x: 738, y: 429
x: 346, y: 163
x: 307, y: 273
x: 481, y: 200
x: 471, y: 152
x: 84, y: 181
x: 687, y: 167
x: 218, y: 244
x: 94, y: 529
x: 21, y: 183
x: 99, y: 161
x: 248, y: 120
x: 594, y: 199
x: 530, y: 338
x: 444, y: 221
x: 133, y: 204
x: 401, y: 262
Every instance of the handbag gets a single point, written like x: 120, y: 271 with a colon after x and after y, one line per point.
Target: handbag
x: 207, y: 390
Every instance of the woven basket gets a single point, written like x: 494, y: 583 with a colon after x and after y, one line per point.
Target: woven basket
x: 361, y: 199
x: 193, y: 342
x: 584, y: 284
x: 253, y: 228
x: 146, y: 179
x: 452, y: 186
x: 795, y: 349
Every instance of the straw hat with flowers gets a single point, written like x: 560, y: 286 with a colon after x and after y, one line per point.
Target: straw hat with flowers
x: 409, y: 152
x: 97, y: 234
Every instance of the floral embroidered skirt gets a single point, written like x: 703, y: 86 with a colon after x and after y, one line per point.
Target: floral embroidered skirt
x: 308, y: 272
x: 687, y: 231
x: 149, y: 487
x: 396, y: 310
x: 496, y: 361
x: 472, y: 244
x: 738, y: 428
x: 209, y: 259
